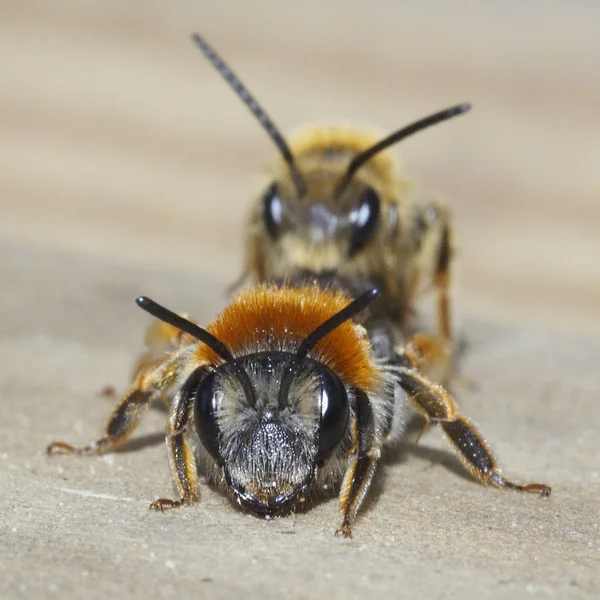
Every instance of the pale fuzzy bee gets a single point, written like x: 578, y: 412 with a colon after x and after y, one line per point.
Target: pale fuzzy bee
x: 284, y: 397
x: 336, y: 205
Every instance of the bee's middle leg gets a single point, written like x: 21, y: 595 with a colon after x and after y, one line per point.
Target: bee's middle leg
x: 125, y: 417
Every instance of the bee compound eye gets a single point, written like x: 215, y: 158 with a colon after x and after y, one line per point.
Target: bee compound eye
x: 364, y: 220
x: 272, y: 211
x: 205, y: 415
x: 334, y: 413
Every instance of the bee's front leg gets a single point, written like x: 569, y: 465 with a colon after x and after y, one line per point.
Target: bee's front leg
x: 181, y: 455
x: 125, y: 417
x: 363, y: 461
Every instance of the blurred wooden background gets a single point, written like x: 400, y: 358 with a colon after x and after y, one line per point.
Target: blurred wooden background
x: 119, y: 141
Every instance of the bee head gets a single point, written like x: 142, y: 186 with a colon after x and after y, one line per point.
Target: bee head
x: 333, y: 220
x: 268, y: 419
x: 322, y: 215
x: 269, y: 445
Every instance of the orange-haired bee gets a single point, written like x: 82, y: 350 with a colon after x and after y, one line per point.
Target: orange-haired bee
x: 335, y: 205
x: 285, y: 396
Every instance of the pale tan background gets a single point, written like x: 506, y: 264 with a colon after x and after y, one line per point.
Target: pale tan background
x: 126, y: 167
x: 119, y: 141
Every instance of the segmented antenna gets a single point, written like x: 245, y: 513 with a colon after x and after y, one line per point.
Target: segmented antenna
x: 358, y: 161
x: 313, y: 338
x: 254, y: 108
x: 164, y: 314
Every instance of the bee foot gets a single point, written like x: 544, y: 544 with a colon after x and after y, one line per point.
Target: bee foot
x: 60, y: 448
x: 344, y: 530
x: 163, y: 504
x: 538, y: 488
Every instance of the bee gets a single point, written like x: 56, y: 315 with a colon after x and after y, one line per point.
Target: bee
x: 334, y: 206
x: 283, y: 397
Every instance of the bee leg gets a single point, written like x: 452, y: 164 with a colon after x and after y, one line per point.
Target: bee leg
x: 121, y: 424
x: 434, y: 247
x: 361, y: 468
x: 181, y: 455
x: 442, y: 281
x: 437, y: 406
x: 160, y: 339
x: 128, y: 413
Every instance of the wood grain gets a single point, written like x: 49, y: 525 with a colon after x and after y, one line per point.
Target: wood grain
x: 120, y: 142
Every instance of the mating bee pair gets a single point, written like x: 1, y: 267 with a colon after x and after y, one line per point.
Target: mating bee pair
x: 303, y: 378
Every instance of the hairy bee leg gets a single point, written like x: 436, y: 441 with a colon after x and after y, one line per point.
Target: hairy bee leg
x: 181, y: 459
x: 128, y: 413
x: 437, y: 406
x: 159, y: 339
x: 150, y: 374
x: 361, y: 469
x: 181, y: 455
x: 183, y: 466
x: 124, y: 419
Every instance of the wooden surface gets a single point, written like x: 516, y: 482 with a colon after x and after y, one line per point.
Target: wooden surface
x: 119, y: 141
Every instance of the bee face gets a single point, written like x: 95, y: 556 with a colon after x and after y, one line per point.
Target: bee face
x: 271, y: 428
x: 319, y: 230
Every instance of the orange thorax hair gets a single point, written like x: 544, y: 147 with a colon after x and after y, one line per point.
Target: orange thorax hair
x: 267, y: 318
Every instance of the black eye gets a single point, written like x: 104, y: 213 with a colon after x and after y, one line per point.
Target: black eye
x: 364, y: 219
x: 272, y: 211
x: 334, y: 414
x: 204, y: 415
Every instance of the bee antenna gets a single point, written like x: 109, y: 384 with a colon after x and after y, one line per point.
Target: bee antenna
x: 358, y: 161
x: 254, y: 108
x: 356, y: 306
x: 164, y: 314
